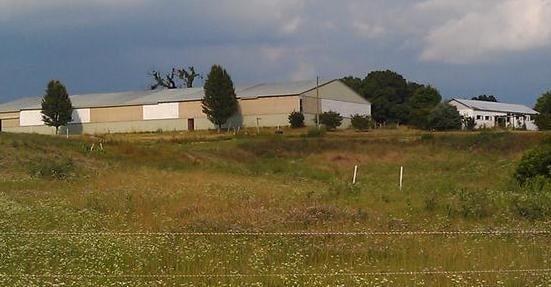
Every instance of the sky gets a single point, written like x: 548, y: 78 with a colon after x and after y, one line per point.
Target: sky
x: 463, y: 48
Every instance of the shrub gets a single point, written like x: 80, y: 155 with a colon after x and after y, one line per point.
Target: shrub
x: 52, y: 169
x: 444, y: 117
x: 296, y: 120
x: 361, y: 122
x: 536, y: 162
x: 331, y: 120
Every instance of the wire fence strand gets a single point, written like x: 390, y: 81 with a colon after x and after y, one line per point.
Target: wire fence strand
x: 239, y: 275
x: 328, y: 233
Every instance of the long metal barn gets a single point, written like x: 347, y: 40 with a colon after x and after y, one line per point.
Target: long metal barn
x: 263, y: 105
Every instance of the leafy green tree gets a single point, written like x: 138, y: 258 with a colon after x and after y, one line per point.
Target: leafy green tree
x: 361, y: 122
x: 355, y: 83
x: 220, y: 101
x: 486, y: 98
x: 388, y: 93
x: 57, y: 108
x: 543, y: 106
x: 296, y: 120
x: 444, y: 117
x: 421, y: 104
x: 331, y: 120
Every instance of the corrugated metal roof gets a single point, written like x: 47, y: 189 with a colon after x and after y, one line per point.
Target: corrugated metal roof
x: 278, y: 89
x: 164, y: 96
x: 496, y: 107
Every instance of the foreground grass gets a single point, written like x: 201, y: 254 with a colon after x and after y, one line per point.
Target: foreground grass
x: 218, y: 183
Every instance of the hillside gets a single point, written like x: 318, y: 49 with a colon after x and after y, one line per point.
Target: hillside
x: 180, y: 183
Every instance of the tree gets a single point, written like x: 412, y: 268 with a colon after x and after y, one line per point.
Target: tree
x: 331, y: 120
x: 486, y: 98
x: 169, y: 80
x: 188, y: 76
x: 57, y: 109
x: 361, y: 122
x: 296, y: 120
x: 543, y: 106
x: 444, y: 117
x: 423, y: 101
x: 388, y: 93
x: 220, y: 101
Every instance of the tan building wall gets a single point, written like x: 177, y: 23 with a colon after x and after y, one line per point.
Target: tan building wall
x: 11, y: 115
x: 269, y: 106
x: 9, y: 120
x: 189, y: 110
x: 10, y: 123
x: 116, y: 114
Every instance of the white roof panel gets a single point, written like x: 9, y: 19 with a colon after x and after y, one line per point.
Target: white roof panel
x: 496, y: 107
x: 165, y: 96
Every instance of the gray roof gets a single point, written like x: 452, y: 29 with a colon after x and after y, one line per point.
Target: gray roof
x: 165, y: 96
x: 496, y: 107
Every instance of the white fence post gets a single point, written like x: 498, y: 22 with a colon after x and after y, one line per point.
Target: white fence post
x: 401, y: 177
x: 355, y: 174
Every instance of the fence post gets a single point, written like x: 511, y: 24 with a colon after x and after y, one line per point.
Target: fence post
x: 355, y: 174
x: 401, y: 177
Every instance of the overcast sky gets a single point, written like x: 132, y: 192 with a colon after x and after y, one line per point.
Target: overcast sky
x: 463, y: 47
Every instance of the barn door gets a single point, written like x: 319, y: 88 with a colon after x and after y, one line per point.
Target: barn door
x: 190, y: 124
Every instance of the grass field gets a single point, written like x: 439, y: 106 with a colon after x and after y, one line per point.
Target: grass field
x: 208, y: 182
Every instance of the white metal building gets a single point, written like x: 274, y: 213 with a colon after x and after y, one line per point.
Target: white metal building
x: 262, y: 105
x: 492, y: 114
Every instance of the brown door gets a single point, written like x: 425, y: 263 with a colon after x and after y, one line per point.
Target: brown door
x: 190, y: 124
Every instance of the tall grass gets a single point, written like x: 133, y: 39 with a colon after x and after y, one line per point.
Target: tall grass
x: 271, y: 183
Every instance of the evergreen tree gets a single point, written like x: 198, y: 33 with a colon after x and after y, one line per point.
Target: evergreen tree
x: 220, y: 101
x: 57, y: 109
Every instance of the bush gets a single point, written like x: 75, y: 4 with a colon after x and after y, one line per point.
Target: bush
x: 331, y: 120
x: 296, y: 120
x: 444, y: 117
x: 543, y: 121
x: 52, y: 169
x: 315, y: 132
x: 361, y: 122
x: 536, y: 162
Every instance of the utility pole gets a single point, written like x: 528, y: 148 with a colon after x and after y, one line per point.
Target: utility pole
x: 318, y: 104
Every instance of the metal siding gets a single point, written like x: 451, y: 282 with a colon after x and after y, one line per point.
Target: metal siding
x: 116, y: 114
x: 81, y: 116
x: 346, y: 109
x: 30, y: 118
x: 161, y: 111
x: 269, y: 106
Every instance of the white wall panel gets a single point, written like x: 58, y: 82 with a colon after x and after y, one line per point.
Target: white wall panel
x: 30, y: 118
x: 346, y: 109
x: 81, y: 116
x: 161, y: 111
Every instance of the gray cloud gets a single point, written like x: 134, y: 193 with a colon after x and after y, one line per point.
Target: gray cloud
x: 101, y: 45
